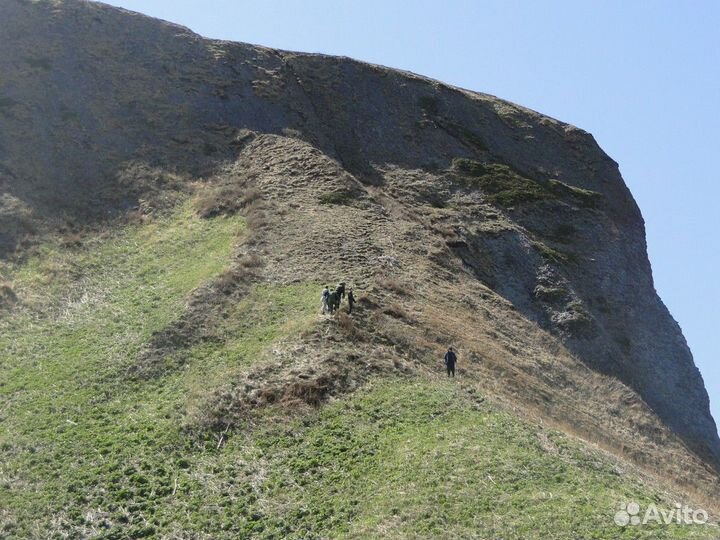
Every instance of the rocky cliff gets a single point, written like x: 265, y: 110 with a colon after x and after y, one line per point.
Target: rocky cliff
x: 467, y: 219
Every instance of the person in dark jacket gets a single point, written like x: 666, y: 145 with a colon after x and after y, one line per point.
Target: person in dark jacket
x: 333, y: 302
x: 351, y: 300
x: 340, y: 291
x: 450, y: 361
x: 324, y: 299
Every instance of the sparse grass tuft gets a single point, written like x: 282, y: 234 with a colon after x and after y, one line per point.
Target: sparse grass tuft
x: 578, y: 307
x: 391, y: 284
x: 396, y: 311
x: 253, y: 260
x: 256, y: 216
x: 71, y: 239
x: 586, y: 197
x: 553, y: 255
x: 7, y: 296
x: 580, y: 319
x: 225, y: 199
x: 337, y: 197
x: 469, y: 167
x: 550, y: 294
x: 232, y: 280
x: 345, y: 323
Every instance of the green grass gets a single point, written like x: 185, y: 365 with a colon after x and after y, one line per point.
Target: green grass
x: 417, y: 459
x: 553, y: 255
x: 89, y: 452
x: 506, y: 187
x: 501, y: 184
x: 581, y: 314
x: 550, y: 294
x: 585, y: 197
x: 84, y: 446
x: 267, y: 314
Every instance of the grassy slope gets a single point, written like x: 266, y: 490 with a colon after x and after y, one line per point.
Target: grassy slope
x: 87, y: 451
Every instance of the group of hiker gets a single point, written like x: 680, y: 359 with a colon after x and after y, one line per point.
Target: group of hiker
x: 330, y: 303
x: 331, y: 300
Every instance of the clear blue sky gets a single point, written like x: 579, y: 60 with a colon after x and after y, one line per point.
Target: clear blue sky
x: 642, y: 76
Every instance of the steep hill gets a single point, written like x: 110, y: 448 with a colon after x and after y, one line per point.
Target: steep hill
x: 170, y: 209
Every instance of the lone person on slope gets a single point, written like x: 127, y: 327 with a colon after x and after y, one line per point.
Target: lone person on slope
x: 450, y: 360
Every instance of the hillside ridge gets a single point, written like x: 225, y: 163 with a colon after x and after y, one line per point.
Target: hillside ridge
x: 458, y: 217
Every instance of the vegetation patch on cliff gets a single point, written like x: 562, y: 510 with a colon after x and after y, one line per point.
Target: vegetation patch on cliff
x: 501, y: 183
x: 505, y: 186
x: 585, y: 197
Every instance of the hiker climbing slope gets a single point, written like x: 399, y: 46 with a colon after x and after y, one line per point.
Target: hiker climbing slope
x: 351, y: 300
x: 324, y: 299
x: 340, y: 292
x: 450, y: 361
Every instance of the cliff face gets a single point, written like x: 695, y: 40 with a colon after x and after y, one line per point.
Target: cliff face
x: 517, y: 225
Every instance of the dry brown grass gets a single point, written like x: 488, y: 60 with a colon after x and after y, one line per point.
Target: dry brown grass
x: 225, y: 199
x: 218, y: 200
x: 233, y: 279
x: 311, y: 392
x: 252, y: 260
x: 397, y: 311
x: 250, y: 196
x: 134, y: 217
x: 446, y: 231
x: 155, y: 189
x: 7, y: 296
x: 345, y: 323
x: 256, y: 216
x: 405, y: 337
x: 71, y: 239
x: 392, y: 284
